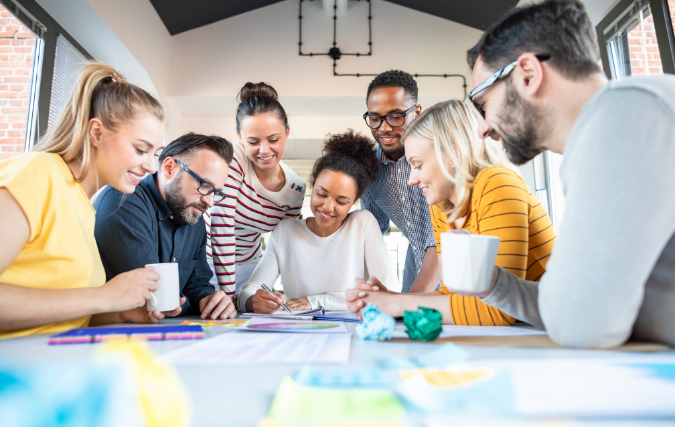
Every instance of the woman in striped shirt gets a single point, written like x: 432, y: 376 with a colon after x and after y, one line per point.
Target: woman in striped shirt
x: 468, y: 186
x: 261, y: 190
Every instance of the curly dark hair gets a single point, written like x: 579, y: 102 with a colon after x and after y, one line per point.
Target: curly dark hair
x: 395, y: 78
x: 350, y: 153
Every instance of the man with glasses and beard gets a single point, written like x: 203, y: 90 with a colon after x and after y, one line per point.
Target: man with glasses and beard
x: 538, y: 87
x: 162, y: 222
x: 392, y: 105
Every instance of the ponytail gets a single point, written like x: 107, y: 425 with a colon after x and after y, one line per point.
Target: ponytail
x: 100, y: 92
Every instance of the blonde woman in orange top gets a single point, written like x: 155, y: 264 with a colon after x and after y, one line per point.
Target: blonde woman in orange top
x: 469, y: 184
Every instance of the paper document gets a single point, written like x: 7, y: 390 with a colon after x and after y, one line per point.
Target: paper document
x: 296, y: 404
x: 614, y: 388
x: 241, y: 348
x: 296, y: 326
x: 283, y: 313
x: 450, y: 331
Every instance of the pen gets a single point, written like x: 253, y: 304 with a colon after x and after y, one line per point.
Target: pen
x: 283, y: 305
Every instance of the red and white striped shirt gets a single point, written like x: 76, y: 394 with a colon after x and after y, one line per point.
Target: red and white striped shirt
x: 235, y: 224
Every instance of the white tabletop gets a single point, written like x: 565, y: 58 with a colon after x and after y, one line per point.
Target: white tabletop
x: 242, y: 395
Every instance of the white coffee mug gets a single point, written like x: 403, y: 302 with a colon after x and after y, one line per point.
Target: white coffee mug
x: 468, y: 260
x: 167, y: 297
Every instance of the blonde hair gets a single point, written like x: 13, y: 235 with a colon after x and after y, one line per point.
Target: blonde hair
x: 100, y: 92
x: 451, y: 126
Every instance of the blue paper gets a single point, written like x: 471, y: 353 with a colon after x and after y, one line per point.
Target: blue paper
x: 376, y: 324
x: 489, y: 396
x: 443, y: 356
x: 74, y: 394
x: 665, y: 371
x: 343, y: 377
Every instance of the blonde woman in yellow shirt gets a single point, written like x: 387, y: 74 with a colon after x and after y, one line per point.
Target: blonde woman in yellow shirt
x: 51, y: 276
x: 468, y: 184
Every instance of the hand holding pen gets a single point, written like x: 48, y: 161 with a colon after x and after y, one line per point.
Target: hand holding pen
x: 266, y: 301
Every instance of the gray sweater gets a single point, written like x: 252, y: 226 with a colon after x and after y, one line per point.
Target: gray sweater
x: 612, y: 272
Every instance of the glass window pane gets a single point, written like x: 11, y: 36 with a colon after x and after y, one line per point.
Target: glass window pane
x: 632, y: 46
x: 643, y: 46
x: 68, y: 59
x: 17, y: 55
x: 671, y: 9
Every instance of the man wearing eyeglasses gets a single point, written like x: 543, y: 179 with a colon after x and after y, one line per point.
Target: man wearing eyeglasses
x: 162, y: 222
x: 538, y: 87
x: 392, y: 105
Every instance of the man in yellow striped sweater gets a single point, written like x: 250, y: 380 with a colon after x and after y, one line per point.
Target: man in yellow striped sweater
x: 468, y: 186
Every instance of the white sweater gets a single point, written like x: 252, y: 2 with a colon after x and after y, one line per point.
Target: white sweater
x: 322, y: 268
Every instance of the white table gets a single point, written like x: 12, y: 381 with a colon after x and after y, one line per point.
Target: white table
x: 242, y: 395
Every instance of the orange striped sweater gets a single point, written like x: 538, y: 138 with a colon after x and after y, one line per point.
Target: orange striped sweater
x: 502, y: 206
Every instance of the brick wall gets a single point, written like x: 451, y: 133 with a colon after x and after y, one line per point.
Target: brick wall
x: 645, y: 58
x: 17, y: 50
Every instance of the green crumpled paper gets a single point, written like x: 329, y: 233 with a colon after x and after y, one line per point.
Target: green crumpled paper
x: 424, y: 324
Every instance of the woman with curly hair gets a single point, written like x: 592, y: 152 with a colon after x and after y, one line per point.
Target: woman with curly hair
x: 319, y: 258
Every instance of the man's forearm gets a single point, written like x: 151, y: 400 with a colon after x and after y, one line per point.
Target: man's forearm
x: 515, y: 296
x: 430, y: 274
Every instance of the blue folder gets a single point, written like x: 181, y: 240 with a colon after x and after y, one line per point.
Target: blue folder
x: 338, y: 317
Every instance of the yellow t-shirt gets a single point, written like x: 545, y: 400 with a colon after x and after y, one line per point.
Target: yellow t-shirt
x: 61, y: 252
x: 502, y: 206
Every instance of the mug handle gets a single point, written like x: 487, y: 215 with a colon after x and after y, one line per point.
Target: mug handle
x: 153, y: 300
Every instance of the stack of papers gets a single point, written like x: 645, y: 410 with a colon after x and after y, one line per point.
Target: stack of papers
x: 270, y: 348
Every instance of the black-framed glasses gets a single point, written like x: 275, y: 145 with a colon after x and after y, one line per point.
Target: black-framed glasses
x: 205, y: 188
x: 496, y: 77
x: 394, y: 120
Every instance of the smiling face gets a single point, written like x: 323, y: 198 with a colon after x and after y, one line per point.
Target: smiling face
x: 180, y: 189
x: 425, y: 171
x: 264, y: 137
x: 509, y: 117
x: 333, y: 195
x: 124, y: 155
x: 387, y: 100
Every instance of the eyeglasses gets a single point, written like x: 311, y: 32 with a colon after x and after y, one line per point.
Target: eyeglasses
x: 393, y: 119
x: 496, y: 77
x: 205, y: 188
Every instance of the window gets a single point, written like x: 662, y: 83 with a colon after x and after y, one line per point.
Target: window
x: 636, y: 39
x: 20, y: 66
x: 632, y: 44
x: 66, y: 62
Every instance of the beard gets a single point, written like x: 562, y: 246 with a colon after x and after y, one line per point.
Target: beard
x: 523, y: 125
x: 179, y: 206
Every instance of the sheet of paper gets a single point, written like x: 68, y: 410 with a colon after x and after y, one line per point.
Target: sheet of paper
x: 547, y: 388
x: 298, y: 404
x: 295, y: 326
x: 343, y: 377
x: 450, y: 331
x: 209, y: 323
x: 241, y: 348
x: 284, y: 313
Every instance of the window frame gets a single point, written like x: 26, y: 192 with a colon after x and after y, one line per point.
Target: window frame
x: 663, y: 28
x: 48, y: 60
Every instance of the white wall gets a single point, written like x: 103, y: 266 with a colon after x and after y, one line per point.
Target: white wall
x: 210, y: 64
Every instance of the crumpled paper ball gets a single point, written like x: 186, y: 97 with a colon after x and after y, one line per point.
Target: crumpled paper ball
x: 376, y: 325
x: 423, y: 325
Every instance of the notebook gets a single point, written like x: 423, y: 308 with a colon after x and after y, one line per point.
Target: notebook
x: 140, y: 333
x: 341, y: 317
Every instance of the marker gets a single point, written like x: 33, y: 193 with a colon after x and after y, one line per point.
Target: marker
x: 283, y: 305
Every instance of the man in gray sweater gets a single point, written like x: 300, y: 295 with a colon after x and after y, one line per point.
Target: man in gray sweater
x: 538, y: 87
